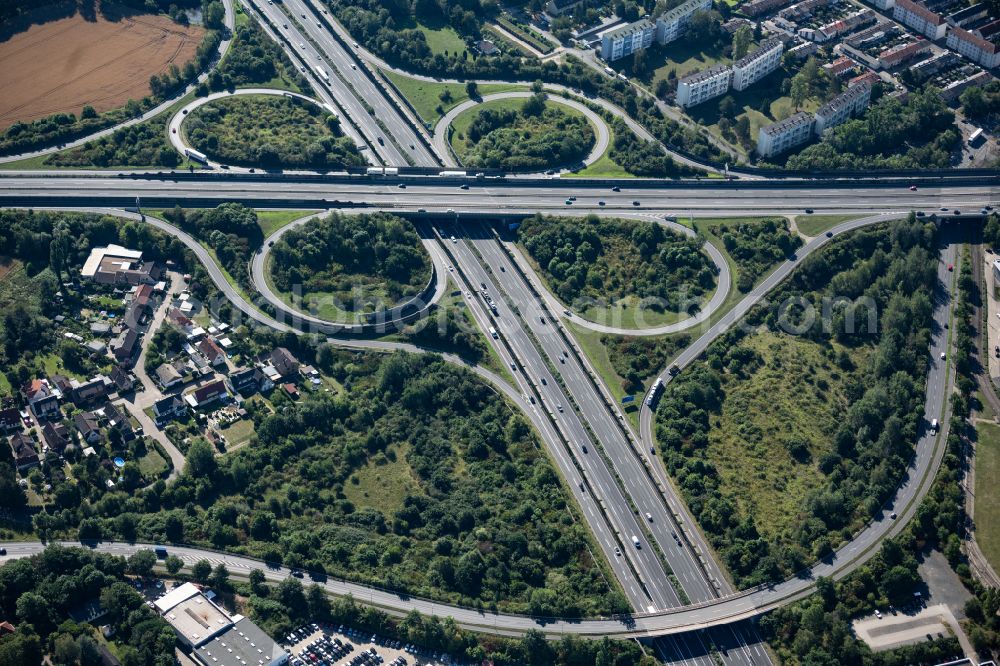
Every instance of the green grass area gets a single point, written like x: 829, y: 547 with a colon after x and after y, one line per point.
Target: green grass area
x: 814, y: 225
x: 238, y: 433
x: 605, y: 167
x: 152, y: 464
x: 799, y: 392
x: 270, y: 221
x: 384, y: 482
x: 987, y: 512
x: 425, y: 96
x: 683, y: 57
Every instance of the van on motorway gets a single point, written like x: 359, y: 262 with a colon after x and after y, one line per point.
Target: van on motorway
x: 635, y: 541
x: 493, y: 332
x: 934, y: 425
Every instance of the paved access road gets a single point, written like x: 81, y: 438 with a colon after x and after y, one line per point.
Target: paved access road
x: 442, y: 129
x: 230, y: 22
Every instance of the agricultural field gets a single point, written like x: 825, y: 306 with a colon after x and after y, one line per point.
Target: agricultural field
x: 63, y: 65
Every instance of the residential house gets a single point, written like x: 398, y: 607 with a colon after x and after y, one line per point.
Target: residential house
x: 784, y: 135
x: 25, y: 455
x: 122, y: 378
x: 88, y: 426
x: 167, y: 409
x: 284, y: 362
x: 42, y: 399
x: 56, y: 436
x: 180, y: 320
x: 88, y: 392
x: 124, y: 345
x: 758, y: 7
x: 839, y: 67
x: 211, y: 351
x: 141, y: 307
x: 244, y: 381
x: 10, y: 419
x: 207, y: 394
x: 291, y: 391
x: 168, y: 375
x: 699, y: 87
x: 115, y: 419
x: 627, y: 39
x: 555, y: 8
x: 897, y: 55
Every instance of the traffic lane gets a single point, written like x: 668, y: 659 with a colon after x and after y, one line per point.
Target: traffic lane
x: 345, y: 63
x: 645, y: 496
x: 277, y: 18
x: 552, y: 396
x: 508, y: 200
x: 344, y: 96
x: 588, y: 503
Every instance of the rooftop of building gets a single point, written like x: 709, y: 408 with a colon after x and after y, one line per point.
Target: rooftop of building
x: 242, y: 644
x: 845, y: 98
x: 629, y: 28
x: 800, y: 118
x: 765, y: 47
x: 109, y: 259
x: 703, y: 75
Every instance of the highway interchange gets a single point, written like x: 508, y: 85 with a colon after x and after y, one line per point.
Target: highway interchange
x: 616, y: 478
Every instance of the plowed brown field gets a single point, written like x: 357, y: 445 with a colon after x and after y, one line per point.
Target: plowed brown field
x: 62, y: 65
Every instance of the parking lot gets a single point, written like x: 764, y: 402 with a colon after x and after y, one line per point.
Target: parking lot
x: 325, y: 645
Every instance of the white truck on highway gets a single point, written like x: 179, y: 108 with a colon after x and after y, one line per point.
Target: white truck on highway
x: 322, y: 74
x: 196, y: 155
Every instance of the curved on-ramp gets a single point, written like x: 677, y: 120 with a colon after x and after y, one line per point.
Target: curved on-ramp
x: 559, y: 309
x: 230, y: 23
x: 442, y: 133
x: 406, y: 311
x: 176, y: 125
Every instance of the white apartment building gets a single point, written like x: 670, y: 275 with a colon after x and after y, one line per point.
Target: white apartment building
x: 757, y: 64
x: 627, y: 39
x: 783, y: 135
x: 974, y: 47
x: 919, y: 18
x: 845, y: 105
x: 670, y: 25
x: 696, y: 88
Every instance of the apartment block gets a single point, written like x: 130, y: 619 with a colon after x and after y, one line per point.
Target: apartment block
x: 920, y: 19
x: 784, y: 135
x: 849, y: 103
x: 671, y: 24
x: 974, y: 47
x: 757, y: 64
x: 702, y: 86
x: 627, y: 39
x: 884, y: 5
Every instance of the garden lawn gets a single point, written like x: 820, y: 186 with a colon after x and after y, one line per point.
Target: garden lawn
x: 987, y: 512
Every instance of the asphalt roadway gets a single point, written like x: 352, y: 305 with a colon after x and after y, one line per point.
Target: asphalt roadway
x: 494, y: 196
x: 348, y: 81
x: 746, y: 604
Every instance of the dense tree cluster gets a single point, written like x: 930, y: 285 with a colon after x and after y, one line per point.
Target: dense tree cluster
x: 231, y: 229
x: 483, y: 518
x: 642, y: 158
x: 449, y: 329
x: 605, y: 261
x: 873, y: 438
x: 38, y: 593
x: 756, y: 247
x: 142, y: 144
x: 981, y: 102
x: 636, y: 359
x: 535, y: 137
x: 360, y: 260
x: 253, y: 58
x: 271, y: 132
x: 918, y: 133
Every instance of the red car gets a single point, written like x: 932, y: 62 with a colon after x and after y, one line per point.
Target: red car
x: 951, y: 267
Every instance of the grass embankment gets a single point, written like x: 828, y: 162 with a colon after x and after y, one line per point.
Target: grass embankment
x: 430, y: 97
x: 814, y: 225
x: 987, y: 512
x: 605, y: 167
